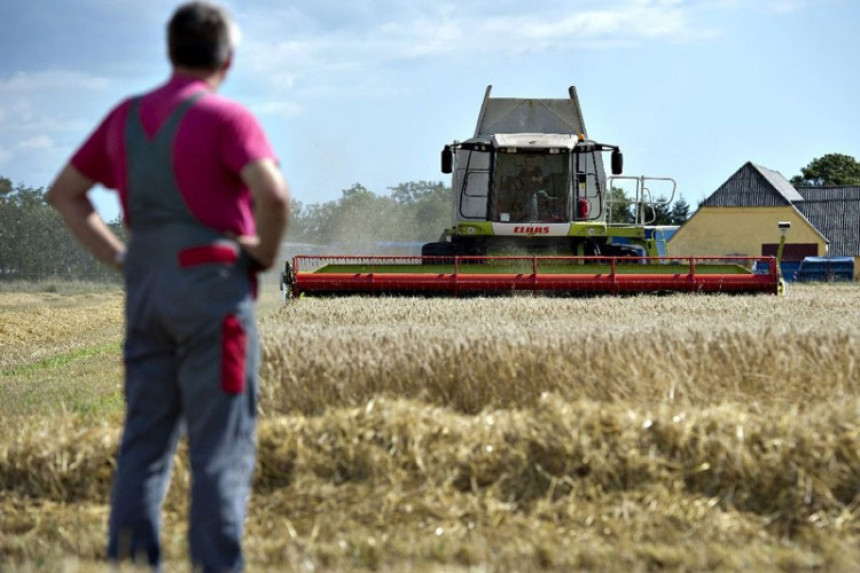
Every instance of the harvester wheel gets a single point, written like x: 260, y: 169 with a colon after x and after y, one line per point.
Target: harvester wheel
x: 438, y: 253
x: 585, y: 247
x: 286, y: 283
x: 626, y: 251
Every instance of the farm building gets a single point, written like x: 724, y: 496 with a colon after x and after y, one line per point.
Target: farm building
x: 741, y: 217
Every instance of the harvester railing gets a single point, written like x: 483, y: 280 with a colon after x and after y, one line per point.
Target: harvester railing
x: 455, y: 275
x: 642, y: 198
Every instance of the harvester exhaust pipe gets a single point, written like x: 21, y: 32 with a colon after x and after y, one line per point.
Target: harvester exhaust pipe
x: 784, y: 226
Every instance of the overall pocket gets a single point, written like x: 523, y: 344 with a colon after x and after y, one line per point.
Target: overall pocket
x: 234, y: 344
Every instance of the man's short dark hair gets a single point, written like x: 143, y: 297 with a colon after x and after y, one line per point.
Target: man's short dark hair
x: 200, y: 36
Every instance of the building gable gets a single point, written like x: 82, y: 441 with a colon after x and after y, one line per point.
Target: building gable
x: 754, y: 186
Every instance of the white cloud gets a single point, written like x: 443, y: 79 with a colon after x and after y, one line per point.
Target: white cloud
x: 281, y: 109
x: 47, y: 100
x: 308, y: 40
x: 37, y: 142
x: 589, y: 29
x: 784, y: 6
x: 770, y: 6
x: 30, y: 83
x: 313, y: 51
x: 45, y: 114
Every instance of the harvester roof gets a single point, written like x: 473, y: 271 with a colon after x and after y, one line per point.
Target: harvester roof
x: 523, y: 142
x: 534, y: 140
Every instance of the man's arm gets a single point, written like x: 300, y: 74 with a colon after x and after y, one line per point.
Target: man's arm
x: 271, y: 210
x: 68, y: 195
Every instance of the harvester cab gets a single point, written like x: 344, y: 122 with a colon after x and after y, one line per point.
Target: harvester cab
x: 534, y: 210
x: 530, y: 182
x: 534, y: 177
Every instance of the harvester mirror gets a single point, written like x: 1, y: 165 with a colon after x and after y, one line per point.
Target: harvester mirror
x: 447, y: 159
x: 617, y: 162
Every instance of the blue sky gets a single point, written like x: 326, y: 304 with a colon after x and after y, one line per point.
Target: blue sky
x: 369, y: 92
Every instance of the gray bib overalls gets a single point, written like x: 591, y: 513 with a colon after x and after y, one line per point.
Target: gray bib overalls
x: 191, y: 359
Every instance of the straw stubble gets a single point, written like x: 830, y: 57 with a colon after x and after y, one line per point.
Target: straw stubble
x: 678, y: 432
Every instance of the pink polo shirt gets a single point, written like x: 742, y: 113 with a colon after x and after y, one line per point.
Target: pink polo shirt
x: 216, y: 139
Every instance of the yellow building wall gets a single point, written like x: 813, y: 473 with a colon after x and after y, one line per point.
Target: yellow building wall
x: 740, y: 231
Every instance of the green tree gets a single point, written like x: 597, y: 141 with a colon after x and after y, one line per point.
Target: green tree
x: 5, y: 186
x: 413, y: 192
x: 656, y: 213
x: 830, y: 169
x: 312, y: 223
x: 619, y: 206
x: 662, y: 213
x: 360, y: 216
x: 680, y: 212
x: 427, y: 209
x: 35, y: 243
x: 416, y: 211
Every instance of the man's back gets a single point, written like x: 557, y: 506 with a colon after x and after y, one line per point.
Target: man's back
x: 217, y: 137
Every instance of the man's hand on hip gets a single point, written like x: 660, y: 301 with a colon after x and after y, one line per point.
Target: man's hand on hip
x: 271, y: 211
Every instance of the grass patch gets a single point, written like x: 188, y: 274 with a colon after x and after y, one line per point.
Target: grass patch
x: 61, y: 360
x: 86, y: 381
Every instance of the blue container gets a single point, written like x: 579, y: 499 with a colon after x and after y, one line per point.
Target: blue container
x: 826, y: 269
x: 789, y: 269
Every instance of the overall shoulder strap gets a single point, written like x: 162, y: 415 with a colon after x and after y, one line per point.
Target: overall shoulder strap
x: 154, y: 197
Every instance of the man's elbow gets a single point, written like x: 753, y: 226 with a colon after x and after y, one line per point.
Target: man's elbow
x: 52, y: 195
x: 267, y: 184
x: 275, y: 200
x: 69, y: 186
x: 275, y: 193
x: 284, y: 197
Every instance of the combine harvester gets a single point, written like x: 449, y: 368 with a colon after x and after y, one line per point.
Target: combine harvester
x: 532, y: 212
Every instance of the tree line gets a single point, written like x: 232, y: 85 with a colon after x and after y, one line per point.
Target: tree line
x: 622, y: 209
x: 417, y: 211
x: 35, y: 244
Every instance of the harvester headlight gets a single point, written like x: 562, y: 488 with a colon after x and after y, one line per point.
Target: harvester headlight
x: 470, y: 230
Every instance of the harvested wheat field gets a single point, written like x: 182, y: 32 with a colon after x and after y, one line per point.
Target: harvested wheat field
x: 670, y: 433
